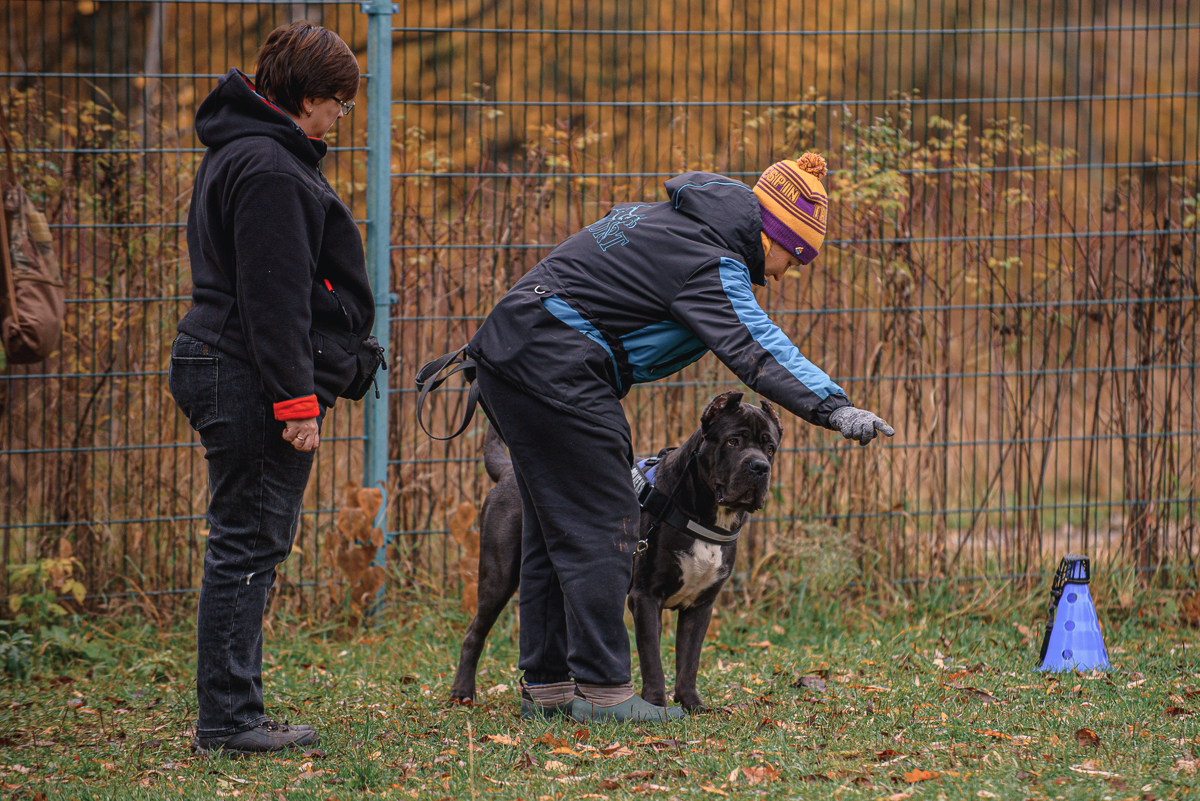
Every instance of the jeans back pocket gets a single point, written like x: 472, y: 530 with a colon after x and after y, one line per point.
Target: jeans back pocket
x: 193, y: 382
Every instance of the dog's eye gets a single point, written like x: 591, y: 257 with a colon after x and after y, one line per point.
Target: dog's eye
x: 770, y: 449
x: 733, y: 442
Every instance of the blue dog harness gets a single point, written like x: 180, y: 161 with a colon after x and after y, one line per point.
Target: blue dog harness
x: 664, y: 509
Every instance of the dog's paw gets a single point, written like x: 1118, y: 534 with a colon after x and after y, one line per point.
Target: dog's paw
x: 466, y: 701
x: 699, y: 709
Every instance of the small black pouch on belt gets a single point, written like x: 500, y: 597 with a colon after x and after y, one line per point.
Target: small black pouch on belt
x: 435, y: 373
x: 369, y: 354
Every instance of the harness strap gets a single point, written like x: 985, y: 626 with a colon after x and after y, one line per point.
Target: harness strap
x: 711, y: 534
x: 431, y: 376
x: 663, y: 509
x: 9, y: 290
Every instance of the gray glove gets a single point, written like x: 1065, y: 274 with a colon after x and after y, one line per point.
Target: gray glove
x: 859, y: 424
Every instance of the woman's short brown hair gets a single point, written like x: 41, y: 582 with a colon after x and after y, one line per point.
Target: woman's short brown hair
x: 305, y: 60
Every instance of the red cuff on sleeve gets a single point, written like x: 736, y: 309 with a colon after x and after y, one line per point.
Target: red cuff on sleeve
x: 298, y: 408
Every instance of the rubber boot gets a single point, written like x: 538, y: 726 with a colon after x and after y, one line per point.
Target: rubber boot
x: 531, y: 709
x: 633, y: 709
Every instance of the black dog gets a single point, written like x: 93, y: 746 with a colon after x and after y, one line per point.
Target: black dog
x: 703, y: 492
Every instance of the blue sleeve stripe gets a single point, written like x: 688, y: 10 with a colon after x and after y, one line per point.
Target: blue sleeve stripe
x: 735, y: 280
x: 560, y: 309
x: 679, y: 192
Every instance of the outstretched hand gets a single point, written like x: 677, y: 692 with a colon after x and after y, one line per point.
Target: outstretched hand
x: 860, y: 424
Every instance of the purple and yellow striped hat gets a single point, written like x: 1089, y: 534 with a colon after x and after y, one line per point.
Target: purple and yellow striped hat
x: 794, y: 205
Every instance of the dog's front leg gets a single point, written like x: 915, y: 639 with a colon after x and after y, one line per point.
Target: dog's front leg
x: 689, y: 640
x: 647, y: 626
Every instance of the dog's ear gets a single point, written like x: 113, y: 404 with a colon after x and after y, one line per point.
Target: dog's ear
x: 774, y: 415
x: 725, y: 402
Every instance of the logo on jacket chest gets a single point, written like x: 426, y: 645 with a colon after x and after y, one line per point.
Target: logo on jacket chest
x: 608, y: 231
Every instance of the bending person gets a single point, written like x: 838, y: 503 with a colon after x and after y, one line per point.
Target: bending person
x: 633, y: 298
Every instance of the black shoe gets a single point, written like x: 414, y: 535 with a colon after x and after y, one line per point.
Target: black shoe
x: 265, y: 738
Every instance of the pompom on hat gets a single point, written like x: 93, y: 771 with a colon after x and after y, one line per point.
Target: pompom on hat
x: 794, y: 205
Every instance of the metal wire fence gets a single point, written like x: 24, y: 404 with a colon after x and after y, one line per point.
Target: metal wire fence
x: 99, y: 100
x: 1010, y: 276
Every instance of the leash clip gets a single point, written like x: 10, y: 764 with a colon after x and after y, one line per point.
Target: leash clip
x: 641, y: 548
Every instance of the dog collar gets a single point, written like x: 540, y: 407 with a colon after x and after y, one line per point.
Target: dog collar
x: 663, y: 508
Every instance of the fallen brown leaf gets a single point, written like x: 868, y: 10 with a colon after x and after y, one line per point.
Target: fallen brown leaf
x: 1090, y: 768
x: 975, y: 693
x: 658, y: 746
x: 502, y: 739
x: 914, y: 776
x: 811, y: 683
x: 1087, y: 737
x: 999, y: 735
x: 609, y: 784
x: 1178, y: 711
x: 760, y: 774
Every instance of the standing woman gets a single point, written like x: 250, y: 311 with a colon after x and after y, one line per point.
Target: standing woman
x: 277, y: 261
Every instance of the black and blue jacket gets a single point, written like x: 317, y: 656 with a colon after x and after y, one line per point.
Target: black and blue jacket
x: 643, y: 293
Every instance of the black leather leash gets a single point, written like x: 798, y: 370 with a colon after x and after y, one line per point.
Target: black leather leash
x: 431, y: 376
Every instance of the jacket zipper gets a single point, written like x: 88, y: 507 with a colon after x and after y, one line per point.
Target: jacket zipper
x: 338, y: 298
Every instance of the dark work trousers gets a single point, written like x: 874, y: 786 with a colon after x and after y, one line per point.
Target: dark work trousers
x: 581, y: 520
x: 256, y: 484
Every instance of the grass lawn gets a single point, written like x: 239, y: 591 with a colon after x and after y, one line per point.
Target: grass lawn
x: 911, y: 703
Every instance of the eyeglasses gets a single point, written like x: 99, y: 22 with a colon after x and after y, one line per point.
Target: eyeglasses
x: 347, y: 106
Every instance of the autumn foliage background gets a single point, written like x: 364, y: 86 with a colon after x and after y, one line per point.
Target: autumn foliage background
x: 1010, y: 279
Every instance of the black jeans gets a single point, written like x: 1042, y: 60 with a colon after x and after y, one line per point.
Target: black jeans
x: 580, y: 528
x: 256, y: 484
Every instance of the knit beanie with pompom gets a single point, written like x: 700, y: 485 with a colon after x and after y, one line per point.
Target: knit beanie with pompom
x: 794, y: 205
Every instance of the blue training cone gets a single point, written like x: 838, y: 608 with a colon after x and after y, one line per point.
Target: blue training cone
x: 1073, y: 640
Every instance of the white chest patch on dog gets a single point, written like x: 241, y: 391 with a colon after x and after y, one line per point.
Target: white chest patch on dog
x: 701, y: 568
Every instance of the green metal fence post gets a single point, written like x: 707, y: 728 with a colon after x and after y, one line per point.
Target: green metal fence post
x: 379, y: 216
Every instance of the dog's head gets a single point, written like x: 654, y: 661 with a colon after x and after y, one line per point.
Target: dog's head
x: 740, y: 441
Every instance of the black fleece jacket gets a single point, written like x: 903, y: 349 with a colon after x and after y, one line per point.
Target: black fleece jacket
x: 274, y: 252
x: 642, y: 293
